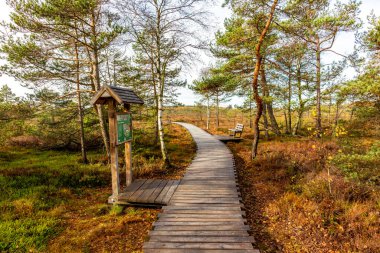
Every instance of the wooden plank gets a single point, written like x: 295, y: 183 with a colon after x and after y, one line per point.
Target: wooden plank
x: 132, y: 188
x: 231, y: 227
x: 199, y: 251
x: 203, y: 239
x: 207, y: 200
x: 200, y: 194
x: 166, y: 245
x: 200, y: 215
x: 213, y: 212
x: 195, y: 223
x: 135, y: 196
x: 205, y: 188
x: 181, y: 197
x: 205, y: 204
x: 143, y: 198
x: 170, y: 192
x: 205, y: 192
x: 162, y: 194
x: 210, y: 183
x: 201, y: 219
x: 157, y: 191
x: 199, y: 233
x: 208, y: 207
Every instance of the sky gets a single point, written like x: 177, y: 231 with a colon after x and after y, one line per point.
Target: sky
x: 344, y: 44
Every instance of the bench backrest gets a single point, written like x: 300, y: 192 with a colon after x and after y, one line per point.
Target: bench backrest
x: 239, y: 127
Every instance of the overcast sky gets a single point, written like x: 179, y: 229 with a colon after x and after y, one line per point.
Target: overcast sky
x: 344, y: 44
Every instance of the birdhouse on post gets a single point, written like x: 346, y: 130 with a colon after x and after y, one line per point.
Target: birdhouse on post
x: 120, y: 130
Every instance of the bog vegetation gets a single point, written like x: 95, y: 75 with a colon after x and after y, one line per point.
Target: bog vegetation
x: 309, y: 163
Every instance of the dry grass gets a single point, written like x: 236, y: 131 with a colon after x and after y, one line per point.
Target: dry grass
x: 93, y: 226
x: 292, y: 207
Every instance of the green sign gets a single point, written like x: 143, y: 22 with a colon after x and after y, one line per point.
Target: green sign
x: 124, y: 127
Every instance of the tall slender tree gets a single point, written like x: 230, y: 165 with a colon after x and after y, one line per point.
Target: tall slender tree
x: 165, y: 34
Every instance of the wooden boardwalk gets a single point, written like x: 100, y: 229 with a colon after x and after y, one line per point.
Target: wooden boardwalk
x: 204, y: 214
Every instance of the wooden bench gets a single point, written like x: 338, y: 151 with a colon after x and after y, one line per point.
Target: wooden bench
x: 238, y: 130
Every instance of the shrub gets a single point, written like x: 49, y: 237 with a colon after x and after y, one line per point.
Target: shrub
x: 25, y: 141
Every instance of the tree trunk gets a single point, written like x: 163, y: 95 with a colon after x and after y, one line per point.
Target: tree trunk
x: 217, y: 110
x: 156, y: 138
x: 330, y: 105
x: 269, y: 108
x: 161, y: 130
x: 289, y: 106
x: 255, y: 88
x: 336, y: 120
x: 298, y: 124
x: 208, y: 113
x: 318, y: 125
x: 96, y: 81
x: 300, y: 110
x: 337, y: 113
x: 286, y: 122
x: 80, y: 110
x: 265, y: 120
x: 250, y: 108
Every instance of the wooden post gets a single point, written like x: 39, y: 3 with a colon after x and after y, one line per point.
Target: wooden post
x: 113, y: 150
x: 128, y: 154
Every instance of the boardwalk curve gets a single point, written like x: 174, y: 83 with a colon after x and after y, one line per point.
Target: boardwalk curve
x: 204, y: 214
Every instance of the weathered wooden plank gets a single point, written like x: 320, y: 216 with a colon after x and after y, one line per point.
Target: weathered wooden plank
x: 148, y: 191
x: 163, y: 193
x: 210, y: 212
x: 201, y: 215
x: 231, y: 227
x: 202, y: 219
x: 156, y: 191
x: 197, y: 207
x: 209, y: 192
x: 207, y: 200
x: 134, y: 197
x: 166, y: 245
x: 209, y: 183
x: 200, y: 251
x: 206, y: 204
x: 180, y: 196
x: 196, y: 223
x: 205, y: 187
x: 132, y: 188
x: 199, y: 233
x: 202, y: 239
x: 170, y: 192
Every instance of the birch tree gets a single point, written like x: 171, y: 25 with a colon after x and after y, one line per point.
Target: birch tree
x: 166, y: 33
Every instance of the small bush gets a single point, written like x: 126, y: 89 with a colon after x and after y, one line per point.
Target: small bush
x: 25, y: 141
x: 117, y: 210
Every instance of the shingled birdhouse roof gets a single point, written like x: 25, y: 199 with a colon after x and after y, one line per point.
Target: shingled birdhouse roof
x: 121, y: 95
